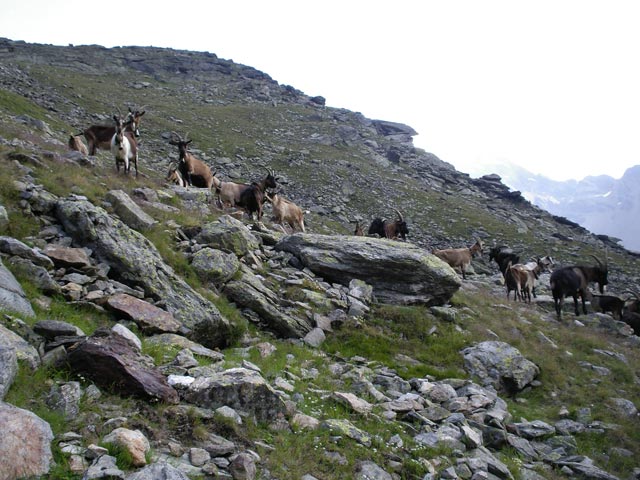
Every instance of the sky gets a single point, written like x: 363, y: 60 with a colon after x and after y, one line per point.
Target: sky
x: 550, y: 85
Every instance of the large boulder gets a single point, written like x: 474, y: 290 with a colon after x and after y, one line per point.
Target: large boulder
x: 12, y: 297
x: 215, y: 265
x: 8, y: 369
x: 399, y: 272
x: 113, y: 363
x: 229, y: 235
x: 239, y: 388
x: 135, y: 260
x: 500, y: 365
x: 25, y: 444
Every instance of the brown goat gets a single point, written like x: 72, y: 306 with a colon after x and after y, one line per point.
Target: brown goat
x: 99, y: 136
x: 192, y: 170
x: 459, y: 257
x: 285, y: 211
x: 76, y: 143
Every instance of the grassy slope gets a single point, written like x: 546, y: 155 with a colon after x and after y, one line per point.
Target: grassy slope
x: 248, y: 132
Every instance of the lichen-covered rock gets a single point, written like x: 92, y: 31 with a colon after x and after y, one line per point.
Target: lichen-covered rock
x: 25, y: 352
x: 12, y: 297
x: 399, y: 272
x: 345, y: 428
x: 499, y: 364
x: 65, y: 399
x: 25, y: 443
x: 129, y: 211
x: 239, y: 388
x: 136, y: 260
x: 171, y: 339
x: 250, y: 292
x: 215, y: 265
x: 229, y: 235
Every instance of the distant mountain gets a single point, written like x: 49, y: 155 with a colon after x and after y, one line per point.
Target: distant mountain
x: 600, y: 203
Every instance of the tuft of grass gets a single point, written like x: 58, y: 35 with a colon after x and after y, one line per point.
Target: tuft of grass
x: 393, y: 330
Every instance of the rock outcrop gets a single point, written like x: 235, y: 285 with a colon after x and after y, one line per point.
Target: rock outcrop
x: 134, y: 259
x: 399, y: 272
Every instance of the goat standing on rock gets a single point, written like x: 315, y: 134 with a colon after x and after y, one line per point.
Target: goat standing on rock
x: 459, y: 257
x: 387, y: 229
x: 285, y: 211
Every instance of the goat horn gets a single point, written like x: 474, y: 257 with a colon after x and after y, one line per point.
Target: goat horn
x: 599, y: 262
x: 635, y: 294
x: 399, y: 214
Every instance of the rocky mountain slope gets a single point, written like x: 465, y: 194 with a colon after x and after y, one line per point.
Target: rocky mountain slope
x: 601, y: 204
x: 146, y: 333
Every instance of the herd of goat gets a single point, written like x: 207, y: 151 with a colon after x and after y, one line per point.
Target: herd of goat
x: 571, y: 281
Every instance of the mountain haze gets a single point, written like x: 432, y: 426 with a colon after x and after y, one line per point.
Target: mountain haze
x: 601, y: 204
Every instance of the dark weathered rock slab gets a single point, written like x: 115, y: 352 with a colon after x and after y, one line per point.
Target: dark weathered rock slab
x: 114, y: 364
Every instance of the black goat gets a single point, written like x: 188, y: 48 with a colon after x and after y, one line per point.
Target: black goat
x: 503, y: 255
x: 387, y: 229
x: 573, y: 281
x: 253, y: 197
x: 608, y: 303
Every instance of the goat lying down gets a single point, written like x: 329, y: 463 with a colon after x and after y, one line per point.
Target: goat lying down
x: 459, y: 257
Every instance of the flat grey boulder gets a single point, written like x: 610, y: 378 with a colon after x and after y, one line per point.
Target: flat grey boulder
x: 399, y: 272
x: 129, y: 211
x: 11, y: 246
x: 239, y: 388
x: 25, y: 444
x: 12, y: 297
x: 500, y: 365
x: 136, y: 261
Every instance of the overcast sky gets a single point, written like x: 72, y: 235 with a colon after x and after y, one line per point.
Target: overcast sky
x: 553, y: 86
